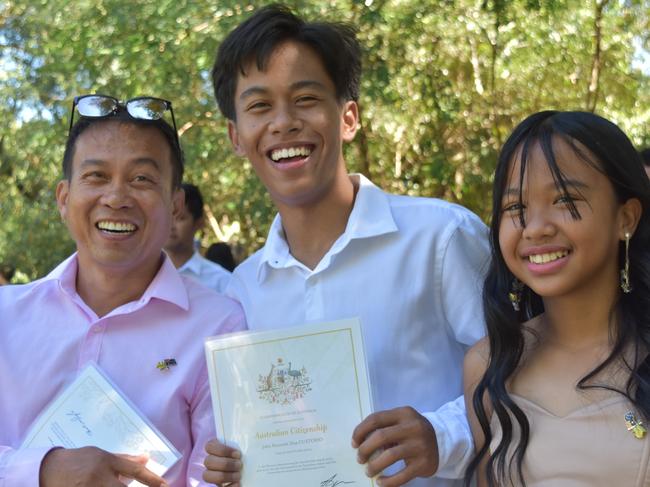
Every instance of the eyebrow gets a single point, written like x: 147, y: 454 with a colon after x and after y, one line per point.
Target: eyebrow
x: 260, y: 90
x: 569, y: 183
x: 140, y: 161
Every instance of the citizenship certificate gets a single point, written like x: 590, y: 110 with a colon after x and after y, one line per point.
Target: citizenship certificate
x: 289, y: 400
x: 91, y: 412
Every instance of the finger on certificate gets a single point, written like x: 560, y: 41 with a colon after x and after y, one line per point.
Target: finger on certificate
x: 400, y: 478
x: 373, y: 423
x: 383, y: 457
x: 142, y: 459
x: 399, y: 434
x: 216, y: 448
x: 222, y: 464
x: 220, y: 477
x: 137, y: 471
x: 90, y: 466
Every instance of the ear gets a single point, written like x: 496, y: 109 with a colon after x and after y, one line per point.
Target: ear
x: 178, y: 202
x: 199, y: 224
x: 629, y: 216
x: 234, y: 138
x: 350, y: 121
x: 62, y: 191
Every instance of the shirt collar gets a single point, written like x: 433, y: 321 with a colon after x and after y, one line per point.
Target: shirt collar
x: 193, y: 264
x: 167, y: 284
x: 371, y: 216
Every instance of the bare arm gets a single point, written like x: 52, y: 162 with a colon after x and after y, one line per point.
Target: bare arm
x: 474, y: 367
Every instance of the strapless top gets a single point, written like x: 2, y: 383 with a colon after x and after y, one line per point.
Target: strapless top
x: 589, y: 447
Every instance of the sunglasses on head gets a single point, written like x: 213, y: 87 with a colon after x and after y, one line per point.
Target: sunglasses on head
x: 142, y: 107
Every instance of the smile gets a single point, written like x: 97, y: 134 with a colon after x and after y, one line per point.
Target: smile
x: 278, y: 155
x: 546, y: 258
x: 116, y: 227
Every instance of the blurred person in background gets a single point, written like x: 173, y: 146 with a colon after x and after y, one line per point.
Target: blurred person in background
x: 180, y: 245
x: 6, y: 273
x: 221, y: 254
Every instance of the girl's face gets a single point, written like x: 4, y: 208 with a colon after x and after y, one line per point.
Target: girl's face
x: 553, y: 253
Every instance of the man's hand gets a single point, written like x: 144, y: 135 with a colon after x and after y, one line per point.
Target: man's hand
x: 222, y: 464
x: 386, y: 437
x: 92, y: 467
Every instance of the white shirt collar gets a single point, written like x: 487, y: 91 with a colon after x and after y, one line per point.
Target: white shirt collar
x: 371, y: 216
x: 193, y: 264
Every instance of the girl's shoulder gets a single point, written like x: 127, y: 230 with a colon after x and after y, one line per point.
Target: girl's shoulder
x: 475, y: 363
x: 478, y: 354
x: 477, y: 357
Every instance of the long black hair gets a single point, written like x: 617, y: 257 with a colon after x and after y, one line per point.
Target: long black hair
x: 611, y: 153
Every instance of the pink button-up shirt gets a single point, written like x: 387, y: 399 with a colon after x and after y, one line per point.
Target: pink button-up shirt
x: 48, y: 334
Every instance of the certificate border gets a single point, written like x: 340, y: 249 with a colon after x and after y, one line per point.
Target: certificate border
x: 216, y: 344
x: 289, y: 338
x: 46, y: 419
x: 93, y: 374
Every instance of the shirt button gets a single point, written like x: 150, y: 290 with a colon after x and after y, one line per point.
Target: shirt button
x: 96, y: 329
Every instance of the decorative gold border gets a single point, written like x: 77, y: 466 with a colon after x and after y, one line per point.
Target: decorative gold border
x: 293, y: 337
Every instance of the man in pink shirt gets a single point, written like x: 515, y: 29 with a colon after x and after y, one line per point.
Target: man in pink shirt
x: 118, y: 302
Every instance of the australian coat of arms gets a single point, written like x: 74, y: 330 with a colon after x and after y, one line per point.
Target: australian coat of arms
x: 283, y: 384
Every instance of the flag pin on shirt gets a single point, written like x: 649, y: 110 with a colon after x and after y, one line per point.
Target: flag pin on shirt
x: 165, y: 364
x: 635, y: 425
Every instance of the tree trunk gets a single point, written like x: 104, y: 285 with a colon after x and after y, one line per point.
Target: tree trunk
x: 596, y: 60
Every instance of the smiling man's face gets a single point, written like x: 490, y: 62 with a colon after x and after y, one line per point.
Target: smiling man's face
x: 292, y: 127
x: 119, y: 201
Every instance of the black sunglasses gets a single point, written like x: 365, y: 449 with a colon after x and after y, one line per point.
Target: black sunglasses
x: 142, y: 107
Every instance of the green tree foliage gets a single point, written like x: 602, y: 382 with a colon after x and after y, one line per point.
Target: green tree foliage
x: 444, y: 83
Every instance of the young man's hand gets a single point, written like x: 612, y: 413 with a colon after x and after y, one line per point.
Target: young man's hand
x: 386, y: 437
x: 222, y: 464
x: 92, y: 467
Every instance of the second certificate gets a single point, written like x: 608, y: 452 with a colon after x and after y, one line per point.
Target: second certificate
x: 289, y: 400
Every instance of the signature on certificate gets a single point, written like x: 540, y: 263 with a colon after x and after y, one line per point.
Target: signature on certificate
x: 332, y: 482
x: 75, y: 417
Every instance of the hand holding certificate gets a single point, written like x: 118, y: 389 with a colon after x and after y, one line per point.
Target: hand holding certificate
x: 289, y: 400
x: 91, y: 412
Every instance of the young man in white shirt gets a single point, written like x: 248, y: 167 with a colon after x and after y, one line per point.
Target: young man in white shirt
x: 410, y: 268
x: 180, y: 245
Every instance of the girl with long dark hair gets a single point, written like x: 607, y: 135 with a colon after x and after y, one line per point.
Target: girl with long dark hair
x: 558, y: 394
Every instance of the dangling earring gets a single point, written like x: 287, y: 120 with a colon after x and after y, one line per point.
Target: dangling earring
x: 625, y: 271
x: 515, y: 293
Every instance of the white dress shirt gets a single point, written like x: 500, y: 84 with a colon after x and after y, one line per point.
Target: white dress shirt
x: 205, y: 271
x: 412, y: 270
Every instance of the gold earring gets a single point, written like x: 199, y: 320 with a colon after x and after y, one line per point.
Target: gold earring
x: 515, y: 293
x: 625, y: 271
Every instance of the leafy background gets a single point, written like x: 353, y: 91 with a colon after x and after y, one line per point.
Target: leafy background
x: 444, y: 83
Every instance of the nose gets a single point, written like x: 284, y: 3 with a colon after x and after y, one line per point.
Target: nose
x: 285, y: 120
x: 539, y: 224
x: 117, y: 195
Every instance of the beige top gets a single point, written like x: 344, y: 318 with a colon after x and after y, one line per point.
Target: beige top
x: 589, y: 447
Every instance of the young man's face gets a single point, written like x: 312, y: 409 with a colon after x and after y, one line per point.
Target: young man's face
x: 184, y: 227
x: 291, y: 126
x: 119, y: 202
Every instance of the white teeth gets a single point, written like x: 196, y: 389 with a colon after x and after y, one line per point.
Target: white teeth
x: 116, y: 226
x: 545, y: 258
x: 278, y: 154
